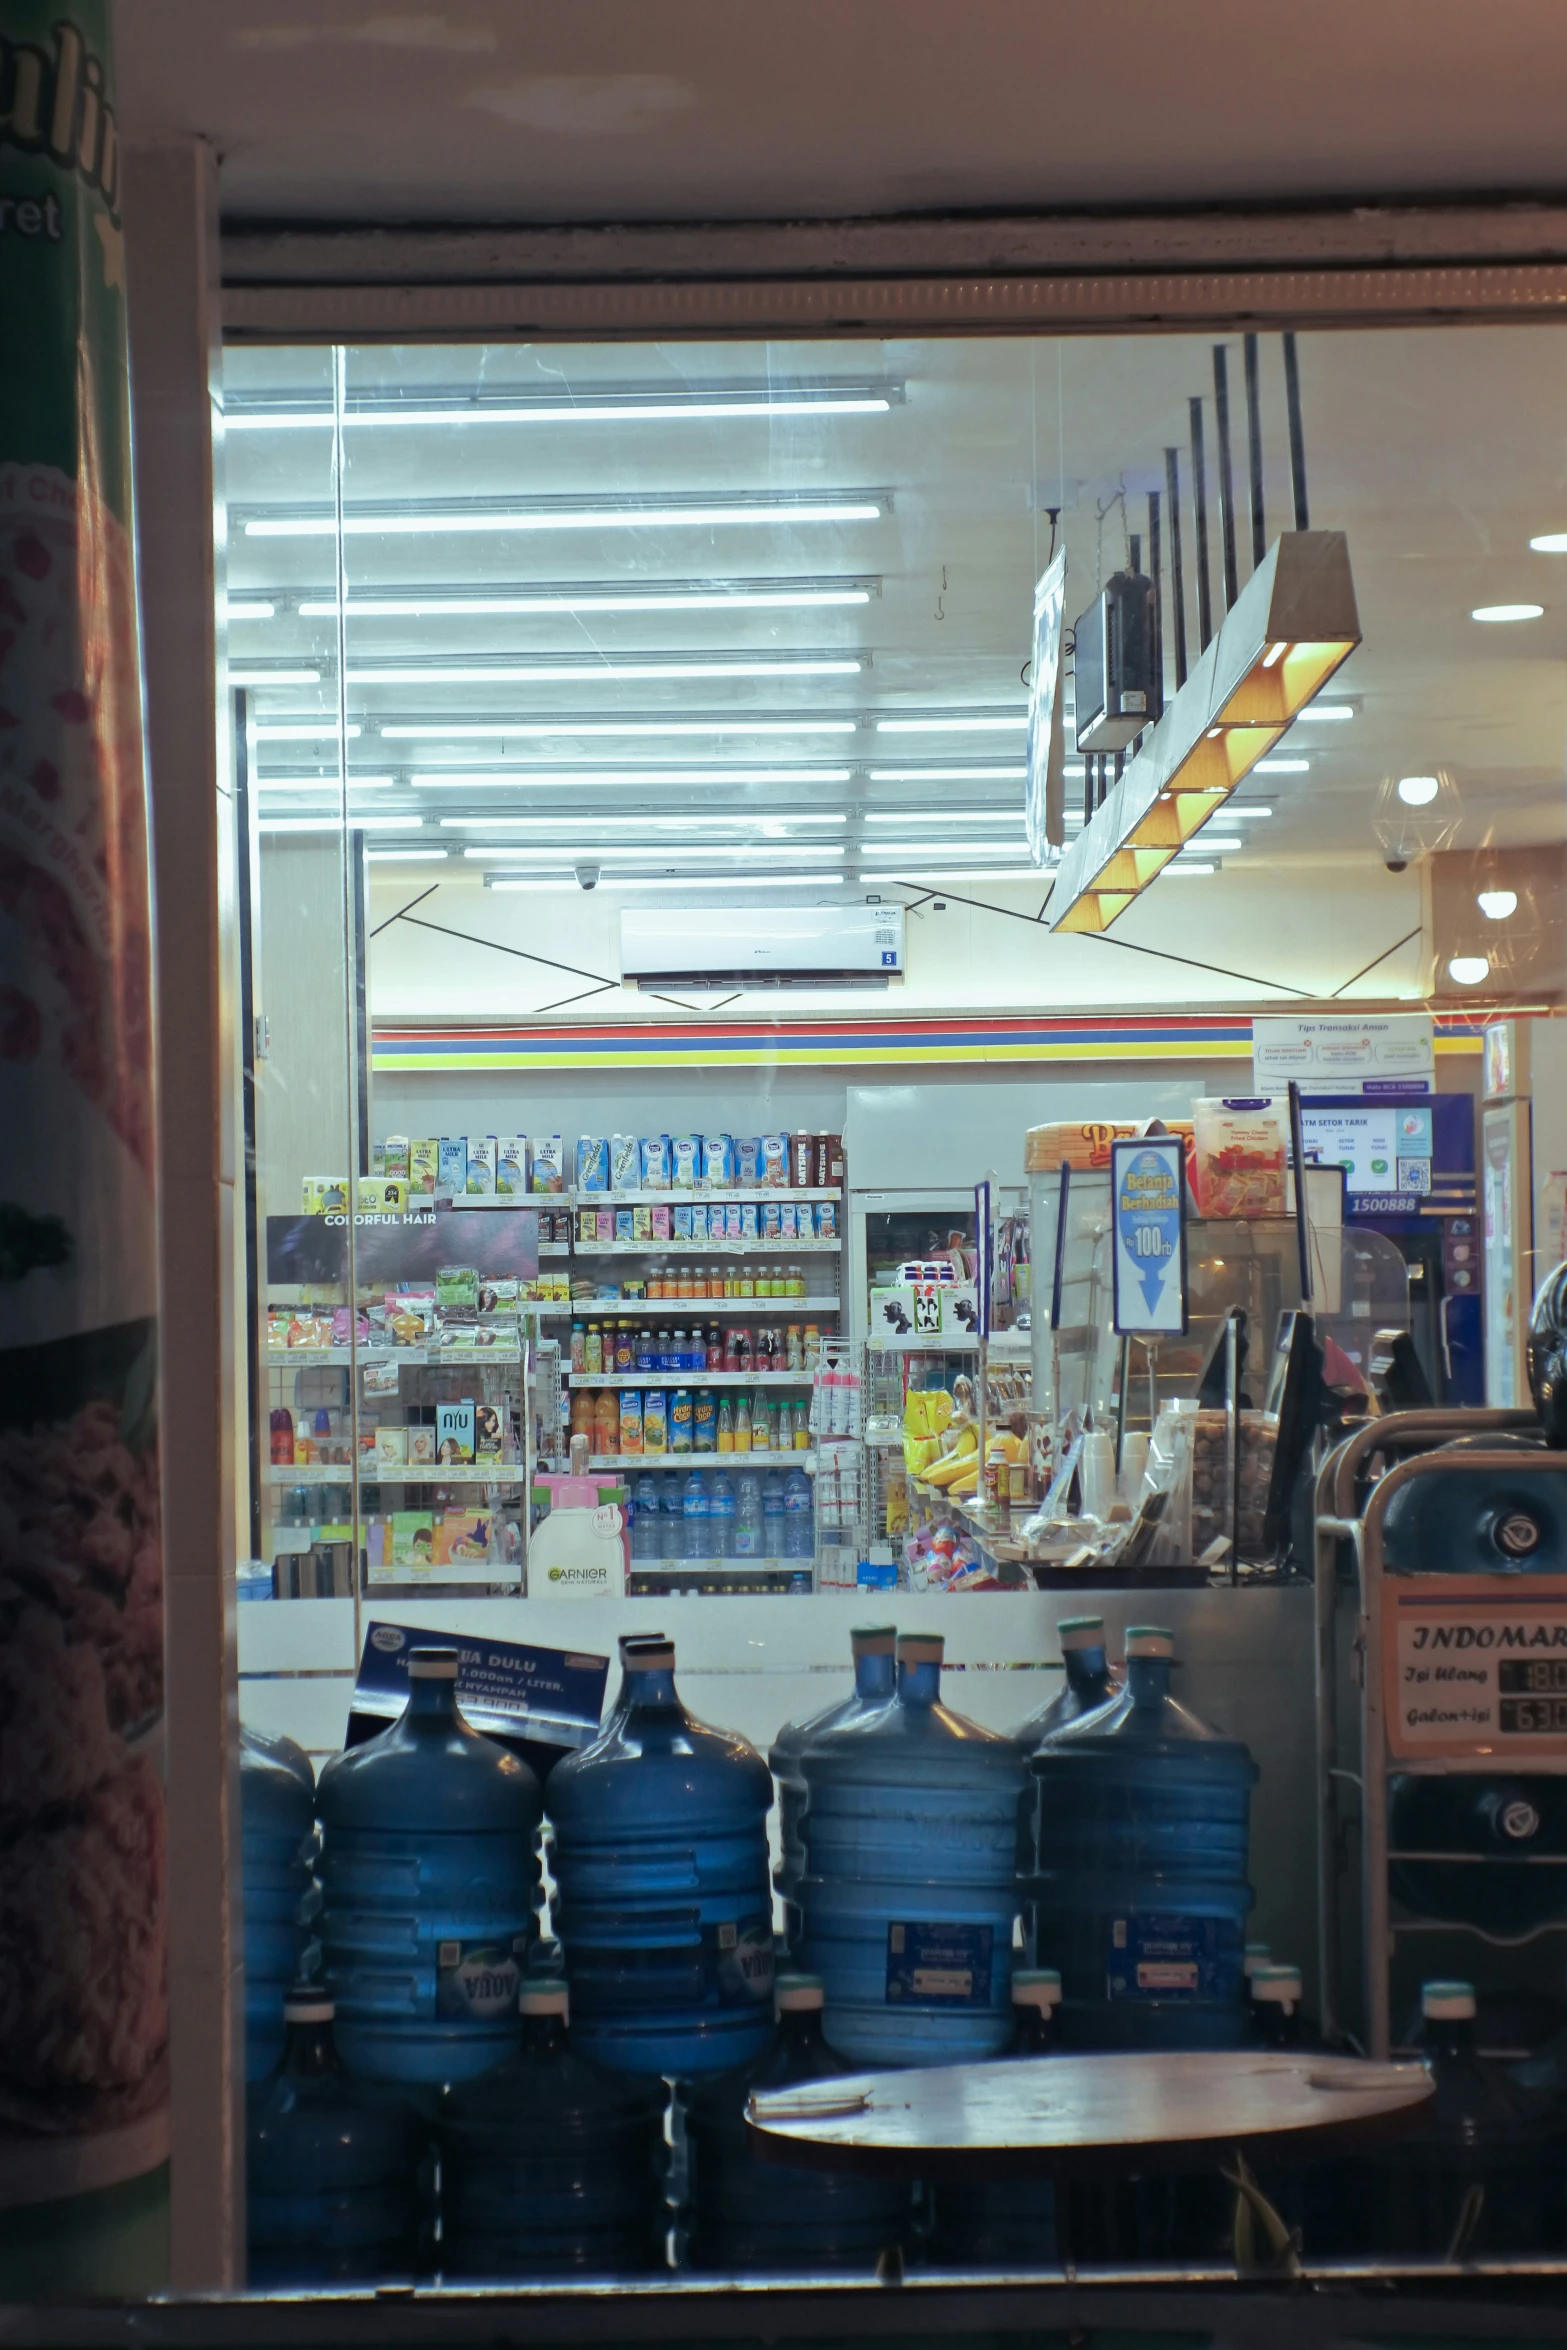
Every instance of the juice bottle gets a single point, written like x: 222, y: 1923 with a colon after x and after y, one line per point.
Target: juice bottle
x: 655, y: 1421
x: 593, y: 1351
x: 625, y: 1348
x: 761, y: 1430
x: 582, y: 1414
x: 579, y: 1347
x: 742, y: 1423
x: 680, y: 1420
x: 606, y: 1421
x: 704, y: 1422
x: 630, y: 1420
x: 726, y: 1426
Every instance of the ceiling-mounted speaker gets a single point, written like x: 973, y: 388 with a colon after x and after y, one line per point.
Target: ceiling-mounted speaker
x: 1115, y: 665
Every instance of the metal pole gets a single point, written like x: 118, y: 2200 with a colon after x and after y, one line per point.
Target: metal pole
x: 1172, y: 491
x: 1297, y: 437
x: 1156, y: 568
x: 1200, y: 504
x: 1259, y: 530
x: 1221, y: 430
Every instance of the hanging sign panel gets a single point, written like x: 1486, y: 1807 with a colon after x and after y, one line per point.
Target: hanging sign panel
x: 1148, y: 1210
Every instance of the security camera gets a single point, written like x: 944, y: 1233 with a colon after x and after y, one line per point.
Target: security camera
x: 1393, y: 864
x: 587, y: 876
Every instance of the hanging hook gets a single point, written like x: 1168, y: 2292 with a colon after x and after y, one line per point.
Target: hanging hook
x: 941, y: 593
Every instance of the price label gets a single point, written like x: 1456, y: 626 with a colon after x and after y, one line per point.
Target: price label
x: 1473, y: 1665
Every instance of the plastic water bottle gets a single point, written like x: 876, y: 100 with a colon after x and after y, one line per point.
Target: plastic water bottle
x: 694, y: 1508
x: 1139, y: 1891
x: 663, y: 1906
x: 748, y: 1516
x: 332, y: 2167
x: 1087, y: 1685
x: 1005, y: 2223
x: 773, y: 1515
x: 646, y: 1541
x: 874, y: 1682
x: 799, y: 1516
x: 672, y: 1517
x: 751, y: 2216
x: 549, y: 2165
x: 429, y: 1868
x: 721, y: 1515
x: 278, y: 1842
x: 909, y: 1892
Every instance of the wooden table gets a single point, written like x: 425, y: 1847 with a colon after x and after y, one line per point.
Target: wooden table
x: 1085, y: 2113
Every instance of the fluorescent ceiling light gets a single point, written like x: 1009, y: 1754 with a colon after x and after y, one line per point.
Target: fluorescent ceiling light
x: 533, y: 732
x: 660, y: 881
x: 1418, y: 791
x: 434, y: 520
x: 621, y: 779
x: 1554, y: 542
x: 304, y: 734
x: 1469, y: 970
x: 332, y: 783
x: 1188, y: 867
x: 924, y: 872
x: 353, y: 823
x: 953, y: 725
x: 1235, y: 814
x: 415, y: 606
x: 767, y: 827
x: 1504, y: 612
x: 1497, y: 904
x: 645, y: 852
x: 943, y: 816
x: 1216, y: 845
x: 633, y: 408
x: 1291, y: 628
x: 927, y: 848
x: 949, y: 775
x: 591, y: 672
x: 1282, y: 767
x: 535, y: 881
x: 274, y: 676
x: 245, y: 608
x: 404, y: 856
x: 1316, y: 710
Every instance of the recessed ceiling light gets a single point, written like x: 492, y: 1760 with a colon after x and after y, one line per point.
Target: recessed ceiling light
x: 1554, y: 542
x: 1235, y: 815
x: 1418, y: 791
x: 1469, y: 970
x: 1179, y: 865
x: 1502, y: 612
x: 1282, y: 767
x: 1497, y: 904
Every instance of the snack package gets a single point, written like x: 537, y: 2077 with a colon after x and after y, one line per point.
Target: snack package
x: 718, y: 1160
x: 655, y: 1162
x: 511, y: 1165
x: 424, y: 1167
x: 775, y: 1161
x: 382, y: 1195
x: 1239, y: 1151
x: 549, y: 1163
x: 593, y: 1162
x: 686, y: 1161
x: 748, y: 1161
x: 625, y: 1163
x: 457, y: 1289
x: 452, y: 1165
x: 481, y: 1167
x: 395, y: 1155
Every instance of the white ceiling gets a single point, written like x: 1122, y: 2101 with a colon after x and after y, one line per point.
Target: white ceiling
x: 677, y: 109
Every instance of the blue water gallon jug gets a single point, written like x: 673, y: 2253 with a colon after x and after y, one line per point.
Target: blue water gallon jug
x: 332, y: 2166
x: 663, y: 1905
x: 1498, y: 1846
x: 280, y: 1897
x: 1459, y: 1521
x: 551, y: 2166
x: 1470, y: 2176
x: 875, y: 1679
x: 429, y: 1867
x: 1139, y: 1889
x: 910, y: 1885
x: 1004, y: 2223
x: 753, y: 2217
x: 1088, y: 1684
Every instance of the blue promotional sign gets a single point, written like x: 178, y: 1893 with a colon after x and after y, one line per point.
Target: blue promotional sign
x: 539, y: 1695
x: 1148, y: 1213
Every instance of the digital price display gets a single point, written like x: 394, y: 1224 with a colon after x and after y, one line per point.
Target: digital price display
x: 1531, y: 1716
x: 1518, y: 1676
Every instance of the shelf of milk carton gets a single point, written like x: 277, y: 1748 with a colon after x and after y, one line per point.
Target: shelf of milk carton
x: 590, y: 1308
x: 460, y: 1358
x: 687, y: 1378
x: 703, y: 1460
x: 374, y: 1472
x: 723, y: 1193
x: 774, y: 1244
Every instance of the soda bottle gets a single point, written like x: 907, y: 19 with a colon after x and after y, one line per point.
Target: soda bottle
x: 748, y: 1516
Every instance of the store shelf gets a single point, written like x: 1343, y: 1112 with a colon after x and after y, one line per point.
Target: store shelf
x: 695, y: 1308
x: 780, y: 1245
x: 457, y: 1358
x: 686, y: 1378
x: 703, y: 1460
x: 707, y: 1566
x: 372, y: 1472
x: 722, y: 1192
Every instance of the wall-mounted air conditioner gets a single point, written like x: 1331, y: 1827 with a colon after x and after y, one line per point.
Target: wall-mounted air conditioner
x: 757, y: 946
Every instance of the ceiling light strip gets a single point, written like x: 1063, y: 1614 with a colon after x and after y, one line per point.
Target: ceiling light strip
x: 411, y: 520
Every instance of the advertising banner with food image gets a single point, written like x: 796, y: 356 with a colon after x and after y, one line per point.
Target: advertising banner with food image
x: 83, y: 2002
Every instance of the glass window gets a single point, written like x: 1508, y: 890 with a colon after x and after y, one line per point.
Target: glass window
x: 869, y: 965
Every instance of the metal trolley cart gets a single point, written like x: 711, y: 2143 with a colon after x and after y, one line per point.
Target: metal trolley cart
x: 1442, y: 1695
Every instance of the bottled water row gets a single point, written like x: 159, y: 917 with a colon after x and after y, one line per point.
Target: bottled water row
x: 749, y: 1514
